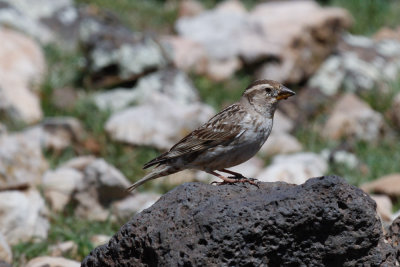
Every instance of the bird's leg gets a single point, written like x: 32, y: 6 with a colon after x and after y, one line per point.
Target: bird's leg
x: 227, y: 180
x: 236, y: 174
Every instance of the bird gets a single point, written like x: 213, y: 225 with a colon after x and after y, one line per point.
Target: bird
x: 232, y: 136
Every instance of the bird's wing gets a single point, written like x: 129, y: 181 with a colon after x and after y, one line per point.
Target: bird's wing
x: 219, y: 130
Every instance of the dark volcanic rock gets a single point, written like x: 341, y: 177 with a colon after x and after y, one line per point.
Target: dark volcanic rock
x: 324, y: 222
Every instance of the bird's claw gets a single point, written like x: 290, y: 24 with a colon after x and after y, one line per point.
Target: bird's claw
x: 252, y: 181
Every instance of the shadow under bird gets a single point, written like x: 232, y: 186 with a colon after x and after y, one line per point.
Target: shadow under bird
x: 231, y: 137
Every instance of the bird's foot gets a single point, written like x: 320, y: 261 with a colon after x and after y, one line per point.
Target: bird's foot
x: 238, y: 180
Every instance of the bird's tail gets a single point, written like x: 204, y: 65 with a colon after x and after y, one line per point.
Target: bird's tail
x: 157, y: 172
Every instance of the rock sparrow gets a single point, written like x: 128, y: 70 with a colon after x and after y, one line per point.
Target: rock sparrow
x: 229, y: 138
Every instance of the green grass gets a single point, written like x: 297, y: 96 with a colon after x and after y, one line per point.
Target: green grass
x: 370, y: 15
x: 149, y: 15
x: 376, y: 159
x: 65, y: 227
x: 221, y: 94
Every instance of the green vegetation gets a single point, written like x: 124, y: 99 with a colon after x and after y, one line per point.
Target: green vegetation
x: 370, y: 15
x: 65, y: 227
x: 149, y: 15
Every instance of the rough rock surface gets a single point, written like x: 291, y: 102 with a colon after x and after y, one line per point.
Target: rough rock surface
x: 324, y: 222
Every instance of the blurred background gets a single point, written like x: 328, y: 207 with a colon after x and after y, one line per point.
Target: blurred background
x: 90, y: 90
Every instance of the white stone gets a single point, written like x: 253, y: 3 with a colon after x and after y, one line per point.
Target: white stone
x: 114, y: 100
x: 131, y: 205
x: 105, y: 175
x: 287, y: 33
x: 79, y: 163
x: 22, y: 64
x: 170, y: 82
x: 98, y: 240
x: 186, y: 54
x: 102, y: 184
x: 59, y: 249
x: 384, y: 207
x: 295, y: 169
x: 59, y: 184
x: 21, y: 161
x: 219, y: 70
x: 5, y: 250
x: 280, y: 143
x: 56, y: 133
x: 160, y: 123
x: 360, y: 64
x: 24, y: 216
x: 52, y: 262
x: 346, y: 158
x: 353, y: 118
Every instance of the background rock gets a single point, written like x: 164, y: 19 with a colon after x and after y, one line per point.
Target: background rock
x: 68, y: 247
x: 353, y: 118
x: 22, y: 64
x: 5, y: 250
x: 171, y: 82
x: 52, y: 262
x: 280, y: 141
x: 361, y: 64
x: 388, y: 185
x: 384, y: 207
x: 59, y: 185
x: 160, y: 123
x: 295, y: 168
x: 306, y: 35
x: 48, y: 21
x: 102, y: 184
x: 133, y: 204
x: 21, y: 161
x: 198, y: 224
x: 24, y: 216
x: 56, y: 133
x: 114, y: 53
x: 98, y: 240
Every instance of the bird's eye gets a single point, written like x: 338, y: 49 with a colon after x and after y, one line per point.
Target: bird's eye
x: 268, y: 90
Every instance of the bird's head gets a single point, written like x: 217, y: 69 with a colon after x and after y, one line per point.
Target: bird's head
x: 264, y: 95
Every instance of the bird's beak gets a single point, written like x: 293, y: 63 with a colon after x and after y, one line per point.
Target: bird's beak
x: 284, y: 93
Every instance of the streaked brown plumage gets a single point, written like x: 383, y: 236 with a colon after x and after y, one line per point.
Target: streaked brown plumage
x: 229, y: 138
